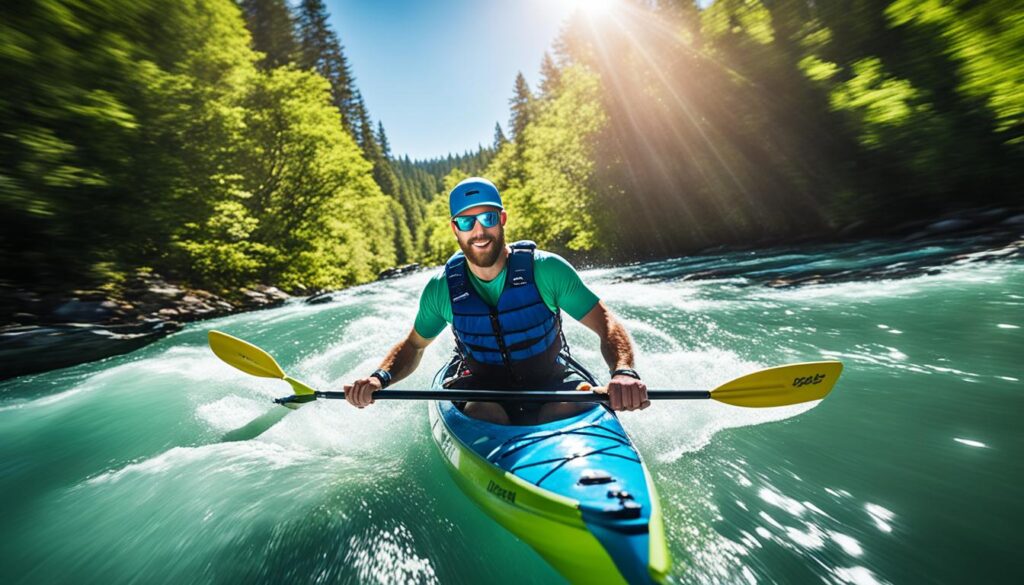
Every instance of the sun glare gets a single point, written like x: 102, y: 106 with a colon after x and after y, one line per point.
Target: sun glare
x: 591, y: 7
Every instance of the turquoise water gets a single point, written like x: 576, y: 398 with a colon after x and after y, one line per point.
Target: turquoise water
x: 127, y: 470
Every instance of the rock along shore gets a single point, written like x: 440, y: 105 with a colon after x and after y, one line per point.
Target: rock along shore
x: 43, y: 332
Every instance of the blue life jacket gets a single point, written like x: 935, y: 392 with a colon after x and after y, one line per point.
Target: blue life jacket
x: 517, y: 341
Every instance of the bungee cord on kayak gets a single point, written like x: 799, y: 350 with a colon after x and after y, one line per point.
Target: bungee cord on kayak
x: 532, y: 440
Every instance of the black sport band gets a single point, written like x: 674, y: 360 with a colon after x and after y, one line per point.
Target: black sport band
x: 384, y: 376
x: 626, y: 372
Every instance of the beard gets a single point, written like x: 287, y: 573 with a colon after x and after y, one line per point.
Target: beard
x: 487, y: 257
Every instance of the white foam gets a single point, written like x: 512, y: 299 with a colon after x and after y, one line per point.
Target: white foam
x: 881, y: 516
x: 849, y: 544
x: 227, y: 456
x: 970, y: 442
x: 856, y: 576
x: 231, y: 412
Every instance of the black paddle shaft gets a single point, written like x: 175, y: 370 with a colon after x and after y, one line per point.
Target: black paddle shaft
x: 499, y: 395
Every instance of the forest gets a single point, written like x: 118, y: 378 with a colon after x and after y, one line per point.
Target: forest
x: 224, y: 144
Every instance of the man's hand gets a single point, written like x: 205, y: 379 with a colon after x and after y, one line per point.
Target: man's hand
x: 360, y: 392
x: 624, y: 393
x: 627, y: 393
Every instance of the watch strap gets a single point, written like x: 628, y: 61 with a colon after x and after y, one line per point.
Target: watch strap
x: 626, y: 372
x: 384, y: 376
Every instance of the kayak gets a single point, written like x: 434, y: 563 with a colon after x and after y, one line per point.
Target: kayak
x: 575, y: 490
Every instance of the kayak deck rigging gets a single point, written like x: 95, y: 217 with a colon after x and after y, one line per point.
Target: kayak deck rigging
x: 518, y: 443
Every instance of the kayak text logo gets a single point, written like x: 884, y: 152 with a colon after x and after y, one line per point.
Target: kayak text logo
x: 501, y: 492
x: 808, y: 380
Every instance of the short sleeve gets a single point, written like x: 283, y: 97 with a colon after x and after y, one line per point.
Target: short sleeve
x: 561, y: 286
x: 430, y: 319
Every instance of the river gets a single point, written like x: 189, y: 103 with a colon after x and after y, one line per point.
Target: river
x: 127, y: 470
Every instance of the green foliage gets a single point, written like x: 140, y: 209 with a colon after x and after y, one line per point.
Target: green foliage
x: 438, y: 241
x: 553, y: 204
x: 985, y: 40
x: 752, y: 121
x: 420, y: 183
x: 143, y: 134
x: 751, y: 20
x: 319, y: 49
x: 270, y: 23
x: 881, y: 103
x: 499, y: 137
x: 222, y: 254
x: 521, y: 103
x: 168, y: 135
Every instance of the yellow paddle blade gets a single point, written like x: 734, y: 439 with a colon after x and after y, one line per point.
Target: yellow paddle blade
x: 244, y: 356
x: 298, y: 387
x: 781, y: 385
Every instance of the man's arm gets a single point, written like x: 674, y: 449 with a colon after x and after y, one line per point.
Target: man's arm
x: 624, y: 392
x: 400, y: 362
x: 616, y: 346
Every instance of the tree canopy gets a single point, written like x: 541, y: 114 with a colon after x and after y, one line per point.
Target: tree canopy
x: 227, y: 144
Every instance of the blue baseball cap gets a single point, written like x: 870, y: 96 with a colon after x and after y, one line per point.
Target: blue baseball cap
x: 472, y: 192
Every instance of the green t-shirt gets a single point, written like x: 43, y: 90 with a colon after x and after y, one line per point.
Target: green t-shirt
x: 559, y: 284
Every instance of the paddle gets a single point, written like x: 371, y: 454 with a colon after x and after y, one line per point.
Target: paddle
x: 778, y: 386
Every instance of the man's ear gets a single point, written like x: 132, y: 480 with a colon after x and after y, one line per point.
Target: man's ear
x: 451, y: 224
x: 504, y: 218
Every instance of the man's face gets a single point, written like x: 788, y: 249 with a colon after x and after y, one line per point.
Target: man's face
x: 482, y: 246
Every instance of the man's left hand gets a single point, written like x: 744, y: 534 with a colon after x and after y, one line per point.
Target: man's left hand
x: 627, y: 393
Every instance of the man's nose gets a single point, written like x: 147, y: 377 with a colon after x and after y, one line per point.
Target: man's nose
x: 478, y: 229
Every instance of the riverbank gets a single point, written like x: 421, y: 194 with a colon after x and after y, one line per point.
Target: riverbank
x: 55, y: 329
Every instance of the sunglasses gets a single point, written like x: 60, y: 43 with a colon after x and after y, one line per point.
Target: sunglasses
x: 488, y: 219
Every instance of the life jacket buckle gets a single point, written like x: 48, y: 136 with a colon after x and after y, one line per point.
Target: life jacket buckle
x: 519, y: 277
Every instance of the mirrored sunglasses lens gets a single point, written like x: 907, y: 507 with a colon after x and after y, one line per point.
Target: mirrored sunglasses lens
x: 488, y: 219
x: 464, y: 223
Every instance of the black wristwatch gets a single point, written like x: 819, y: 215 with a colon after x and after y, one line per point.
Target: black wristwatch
x: 626, y: 372
x: 384, y: 376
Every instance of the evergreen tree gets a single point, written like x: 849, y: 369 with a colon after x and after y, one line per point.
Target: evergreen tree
x: 363, y: 127
x: 319, y: 49
x: 272, y: 29
x: 382, y: 141
x: 499, y: 137
x: 550, y: 76
x: 521, y: 107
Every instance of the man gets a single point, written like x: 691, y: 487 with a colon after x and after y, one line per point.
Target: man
x: 504, y: 304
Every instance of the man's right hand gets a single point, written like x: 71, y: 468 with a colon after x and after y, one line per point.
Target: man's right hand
x: 360, y: 392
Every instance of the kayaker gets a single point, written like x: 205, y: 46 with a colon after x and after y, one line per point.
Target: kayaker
x: 504, y: 304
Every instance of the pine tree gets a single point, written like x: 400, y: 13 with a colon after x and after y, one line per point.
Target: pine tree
x: 382, y: 141
x: 319, y: 49
x: 550, y: 76
x: 361, y: 126
x: 521, y: 106
x: 499, y: 136
x: 270, y: 23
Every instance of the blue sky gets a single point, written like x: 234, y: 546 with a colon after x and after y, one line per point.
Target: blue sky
x: 439, y: 73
